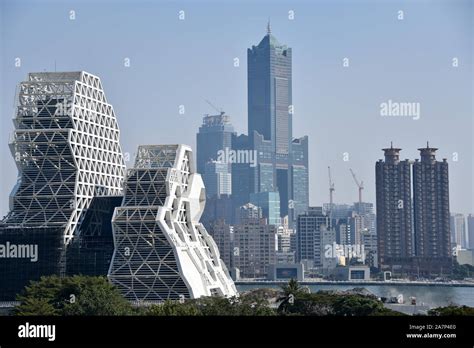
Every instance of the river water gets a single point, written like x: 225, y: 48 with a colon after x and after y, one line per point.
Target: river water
x: 432, y: 296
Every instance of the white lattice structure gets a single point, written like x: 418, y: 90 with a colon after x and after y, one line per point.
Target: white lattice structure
x: 66, y: 147
x: 162, y: 251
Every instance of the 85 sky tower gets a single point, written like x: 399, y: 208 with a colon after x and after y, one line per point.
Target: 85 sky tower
x: 282, y: 160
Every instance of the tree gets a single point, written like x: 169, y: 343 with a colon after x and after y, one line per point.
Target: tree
x: 75, y: 295
x: 461, y: 272
x: 451, y: 311
x: 291, y: 291
x: 245, y: 305
x: 173, y: 308
x: 356, y: 305
x: 36, y: 306
x: 292, y: 288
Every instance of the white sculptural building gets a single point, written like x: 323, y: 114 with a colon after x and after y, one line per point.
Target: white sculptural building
x: 67, y: 151
x: 162, y: 251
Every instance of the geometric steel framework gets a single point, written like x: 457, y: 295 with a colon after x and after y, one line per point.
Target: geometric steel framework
x: 162, y: 251
x: 66, y: 147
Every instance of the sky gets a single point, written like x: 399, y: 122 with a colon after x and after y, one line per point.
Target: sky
x: 422, y: 55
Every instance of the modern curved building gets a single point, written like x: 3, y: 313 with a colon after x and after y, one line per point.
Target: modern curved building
x: 162, y: 251
x: 66, y: 147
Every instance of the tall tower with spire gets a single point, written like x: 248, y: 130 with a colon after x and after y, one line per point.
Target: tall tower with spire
x: 282, y: 163
x: 269, y: 92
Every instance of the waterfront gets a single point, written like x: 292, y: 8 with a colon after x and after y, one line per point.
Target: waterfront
x: 430, y: 295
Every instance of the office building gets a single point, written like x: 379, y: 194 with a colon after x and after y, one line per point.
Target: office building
x: 270, y: 204
x: 309, y: 236
x: 255, y: 248
x: 369, y: 242
x: 217, y: 178
x: 218, y: 208
x: 459, y: 232
x: 282, y: 161
x: 214, y: 137
x: 470, y: 229
x: 223, y: 235
x: 329, y: 257
x: 248, y: 211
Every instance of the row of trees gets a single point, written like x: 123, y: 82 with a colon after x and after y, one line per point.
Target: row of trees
x: 83, y: 295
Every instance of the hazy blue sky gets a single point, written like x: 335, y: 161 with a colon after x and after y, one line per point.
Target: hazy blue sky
x: 176, y: 62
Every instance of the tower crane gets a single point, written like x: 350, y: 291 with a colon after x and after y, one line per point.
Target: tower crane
x: 360, y: 185
x: 219, y: 110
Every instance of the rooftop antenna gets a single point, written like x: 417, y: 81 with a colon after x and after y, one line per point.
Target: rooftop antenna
x: 331, y: 188
x: 269, y: 28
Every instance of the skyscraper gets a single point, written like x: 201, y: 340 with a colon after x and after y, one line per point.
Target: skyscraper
x: 66, y: 147
x: 270, y: 204
x: 282, y: 162
x: 470, y: 228
x: 269, y: 93
x: 459, y: 237
x: 215, y: 134
x: 394, y: 209
x: 431, y: 212
x: 217, y: 178
x: 299, y: 187
x: 162, y: 251
x: 431, y: 205
x: 214, y: 143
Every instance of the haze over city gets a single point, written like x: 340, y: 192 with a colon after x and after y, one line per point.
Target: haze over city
x: 175, y: 62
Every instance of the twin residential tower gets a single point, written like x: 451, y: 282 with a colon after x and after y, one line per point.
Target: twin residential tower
x: 413, y: 218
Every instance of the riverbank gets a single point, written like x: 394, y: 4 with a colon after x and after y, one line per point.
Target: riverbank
x: 359, y: 283
x: 434, y: 294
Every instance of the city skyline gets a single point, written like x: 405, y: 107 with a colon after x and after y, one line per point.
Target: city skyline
x: 329, y: 140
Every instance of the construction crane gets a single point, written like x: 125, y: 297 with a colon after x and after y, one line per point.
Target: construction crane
x: 331, y: 188
x: 360, y: 185
x: 219, y: 110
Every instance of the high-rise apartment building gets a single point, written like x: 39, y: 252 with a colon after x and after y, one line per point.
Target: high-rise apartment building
x: 431, y: 206
x: 421, y: 247
x: 394, y: 209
